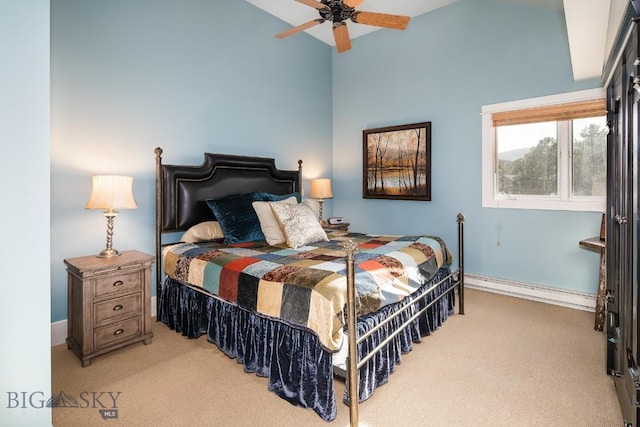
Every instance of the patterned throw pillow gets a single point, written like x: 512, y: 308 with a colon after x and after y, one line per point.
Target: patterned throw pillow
x: 314, y: 205
x: 299, y: 223
x: 268, y: 222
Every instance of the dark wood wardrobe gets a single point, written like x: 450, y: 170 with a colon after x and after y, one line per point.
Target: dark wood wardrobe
x: 621, y: 79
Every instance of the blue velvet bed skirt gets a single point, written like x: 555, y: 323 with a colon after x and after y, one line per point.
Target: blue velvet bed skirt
x: 298, y: 369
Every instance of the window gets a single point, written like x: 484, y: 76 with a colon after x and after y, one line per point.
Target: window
x: 546, y: 153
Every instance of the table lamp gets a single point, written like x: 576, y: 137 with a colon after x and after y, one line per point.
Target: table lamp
x: 111, y: 192
x: 321, y: 189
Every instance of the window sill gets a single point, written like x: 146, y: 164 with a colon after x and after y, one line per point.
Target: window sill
x: 546, y: 204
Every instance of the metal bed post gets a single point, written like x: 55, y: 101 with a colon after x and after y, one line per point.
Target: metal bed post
x: 461, y: 261
x: 299, y: 183
x: 159, y: 193
x: 352, y: 362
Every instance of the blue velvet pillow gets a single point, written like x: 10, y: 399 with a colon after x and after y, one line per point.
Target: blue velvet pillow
x: 237, y: 218
x: 268, y: 197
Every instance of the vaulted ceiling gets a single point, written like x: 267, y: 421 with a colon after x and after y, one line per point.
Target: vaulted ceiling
x: 591, y: 24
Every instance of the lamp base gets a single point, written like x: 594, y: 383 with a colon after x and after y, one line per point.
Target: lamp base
x: 108, y: 253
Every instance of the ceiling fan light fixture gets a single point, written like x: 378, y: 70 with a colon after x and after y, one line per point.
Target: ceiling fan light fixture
x: 339, y: 11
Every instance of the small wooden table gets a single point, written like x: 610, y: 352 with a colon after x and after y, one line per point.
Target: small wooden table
x: 596, y: 243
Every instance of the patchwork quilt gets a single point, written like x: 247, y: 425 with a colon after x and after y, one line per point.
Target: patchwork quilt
x: 307, y: 286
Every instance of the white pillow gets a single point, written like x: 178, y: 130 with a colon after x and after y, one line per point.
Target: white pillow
x: 268, y: 223
x: 208, y: 230
x: 299, y: 223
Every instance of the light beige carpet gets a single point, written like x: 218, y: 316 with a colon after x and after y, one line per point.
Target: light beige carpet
x: 507, y: 362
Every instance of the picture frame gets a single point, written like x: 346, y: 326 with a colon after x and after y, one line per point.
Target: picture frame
x: 397, y: 162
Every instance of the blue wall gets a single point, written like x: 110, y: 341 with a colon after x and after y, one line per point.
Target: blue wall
x: 204, y: 75
x: 25, y: 351
x: 188, y: 76
x: 442, y: 69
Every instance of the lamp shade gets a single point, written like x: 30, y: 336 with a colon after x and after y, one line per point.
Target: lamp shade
x: 321, y: 189
x: 110, y: 192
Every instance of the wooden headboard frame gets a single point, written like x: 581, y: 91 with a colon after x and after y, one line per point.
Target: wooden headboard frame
x: 182, y: 191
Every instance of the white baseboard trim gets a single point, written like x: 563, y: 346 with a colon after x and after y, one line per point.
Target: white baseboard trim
x: 565, y: 298
x: 58, y: 332
x: 59, y: 329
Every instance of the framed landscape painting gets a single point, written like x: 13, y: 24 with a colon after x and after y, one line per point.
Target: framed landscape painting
x: 397, y: 162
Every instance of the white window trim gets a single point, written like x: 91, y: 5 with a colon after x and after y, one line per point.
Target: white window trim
x: 489, y: 185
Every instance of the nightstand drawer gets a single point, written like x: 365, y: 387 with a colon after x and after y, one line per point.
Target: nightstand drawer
x: 117, y: 332
x: 117, y: 307
x: 117, y: 283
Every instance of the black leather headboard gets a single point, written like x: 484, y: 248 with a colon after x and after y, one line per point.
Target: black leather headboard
x: 182, y: 190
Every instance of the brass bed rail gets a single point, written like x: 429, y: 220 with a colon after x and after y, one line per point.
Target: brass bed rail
x: 353, y: 365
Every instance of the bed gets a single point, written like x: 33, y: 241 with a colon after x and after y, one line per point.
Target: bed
x: 301, y: 306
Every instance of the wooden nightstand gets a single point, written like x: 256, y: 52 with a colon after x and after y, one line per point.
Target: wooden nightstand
x: 342, y: 227
x: 109, y: 303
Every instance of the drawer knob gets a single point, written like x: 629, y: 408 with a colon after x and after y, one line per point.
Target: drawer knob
x: 118, y: 307
x: 118, y: 331
x: 118, y: 283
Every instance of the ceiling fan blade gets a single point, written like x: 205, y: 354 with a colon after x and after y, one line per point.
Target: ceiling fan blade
x: 299, y: 28
x: 353, y: 3
x: 396, y: 22
x: 313, y: 3
x: 341, y: 34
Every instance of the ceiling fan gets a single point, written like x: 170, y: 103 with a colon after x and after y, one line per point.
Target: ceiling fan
x: 338, y: 11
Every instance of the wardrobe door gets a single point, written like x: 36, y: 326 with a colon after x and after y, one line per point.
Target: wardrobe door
x: 622, y: 228
x: 615, y: 139
x: 632, y: 374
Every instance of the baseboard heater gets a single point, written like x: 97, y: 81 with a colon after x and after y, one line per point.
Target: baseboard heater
x: 534, y: 292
